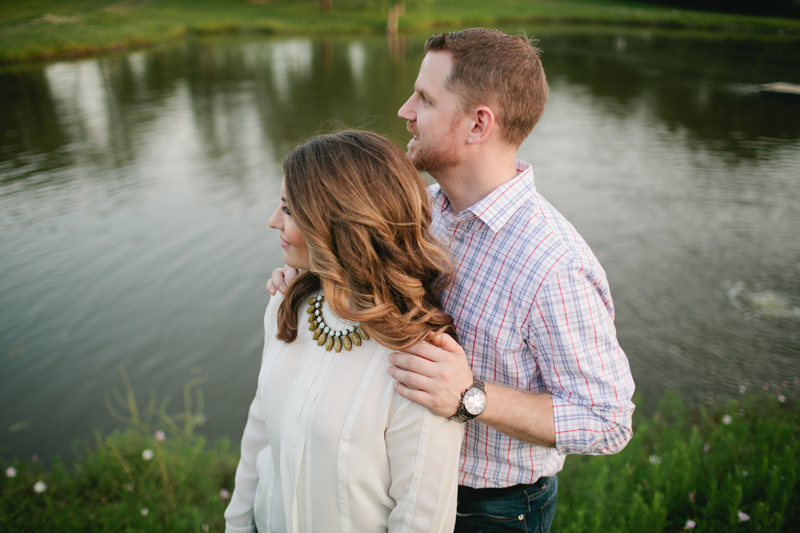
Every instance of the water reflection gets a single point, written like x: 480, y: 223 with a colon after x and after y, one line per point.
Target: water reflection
x: 709, y: 88
x: 135, y: 191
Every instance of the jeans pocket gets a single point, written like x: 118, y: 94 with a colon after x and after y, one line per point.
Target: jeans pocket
x: 510, y: 513
x: 492, y: 517
x: 542, y: 492
x: 490, y: 523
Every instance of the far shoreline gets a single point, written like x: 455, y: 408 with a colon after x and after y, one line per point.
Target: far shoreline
x: 69, y: 30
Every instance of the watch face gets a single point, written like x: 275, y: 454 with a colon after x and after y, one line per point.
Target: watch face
x: 474, y: 401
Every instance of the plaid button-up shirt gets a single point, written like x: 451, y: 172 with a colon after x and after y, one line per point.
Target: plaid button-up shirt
x: 533, y: 311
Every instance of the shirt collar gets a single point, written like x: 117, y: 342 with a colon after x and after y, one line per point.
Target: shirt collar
x: 497, y: 207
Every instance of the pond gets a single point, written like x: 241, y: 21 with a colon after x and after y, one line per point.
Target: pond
x: 135, y: 191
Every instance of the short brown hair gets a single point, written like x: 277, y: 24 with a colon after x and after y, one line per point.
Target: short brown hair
x: 363, y: 210
x: 502, y: 71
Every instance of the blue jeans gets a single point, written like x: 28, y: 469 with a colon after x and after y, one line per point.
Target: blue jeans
x: 530, y: 510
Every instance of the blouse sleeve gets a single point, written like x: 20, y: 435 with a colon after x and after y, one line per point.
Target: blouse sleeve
x: 239, y: 514
x: 423, y: 452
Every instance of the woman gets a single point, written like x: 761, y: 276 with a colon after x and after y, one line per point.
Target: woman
x: 329, y: 445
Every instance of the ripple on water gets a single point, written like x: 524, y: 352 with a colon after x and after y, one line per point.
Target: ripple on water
x: 759, y: 302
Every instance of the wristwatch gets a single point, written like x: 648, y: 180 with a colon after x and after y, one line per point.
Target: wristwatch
x: 473, y: 403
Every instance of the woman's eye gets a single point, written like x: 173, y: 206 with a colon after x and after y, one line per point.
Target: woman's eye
x: 286, y: 210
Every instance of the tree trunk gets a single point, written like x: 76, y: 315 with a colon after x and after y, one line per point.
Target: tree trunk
x: 394, y: 18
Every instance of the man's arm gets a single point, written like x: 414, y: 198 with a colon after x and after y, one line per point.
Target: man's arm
x: 434, y: 374
x: 586, y: 408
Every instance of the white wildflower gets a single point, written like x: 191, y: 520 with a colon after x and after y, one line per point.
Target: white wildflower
x: 11, y: 472
x: 160, y: 435
x: 781, y: 398
x: 39, y: 487
x: 727, y: 419
x: 145, y: 511
x: 147, y: 454
x: 742, y: 517
x: 655, y: 460
x: 224, y: 494
x: 690, y: 524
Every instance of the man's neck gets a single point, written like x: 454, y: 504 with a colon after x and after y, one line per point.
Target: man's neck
x: 471, y: 182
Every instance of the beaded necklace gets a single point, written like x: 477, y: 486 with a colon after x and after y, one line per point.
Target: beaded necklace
x: 324, y: 335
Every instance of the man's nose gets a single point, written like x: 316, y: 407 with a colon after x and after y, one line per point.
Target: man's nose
x: 405, y: 111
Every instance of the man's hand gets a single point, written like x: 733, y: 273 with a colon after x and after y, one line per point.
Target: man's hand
x: 433, y: 374
x: 281, y: 279
x: 436, y: 373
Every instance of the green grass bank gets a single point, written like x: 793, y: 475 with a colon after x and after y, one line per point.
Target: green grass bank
x: 35, y: 30
x: 727, y: 467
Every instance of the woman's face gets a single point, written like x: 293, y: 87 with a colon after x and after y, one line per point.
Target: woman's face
x: 295, y: 249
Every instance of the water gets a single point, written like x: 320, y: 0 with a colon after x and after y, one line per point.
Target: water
x: 135, y: 191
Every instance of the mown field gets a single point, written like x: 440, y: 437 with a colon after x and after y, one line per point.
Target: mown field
x: 35, y: 30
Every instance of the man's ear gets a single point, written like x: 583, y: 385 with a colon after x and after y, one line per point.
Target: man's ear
x: 483, y: 122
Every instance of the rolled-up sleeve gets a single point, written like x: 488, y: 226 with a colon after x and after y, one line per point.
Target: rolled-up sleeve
x: 582, y: 364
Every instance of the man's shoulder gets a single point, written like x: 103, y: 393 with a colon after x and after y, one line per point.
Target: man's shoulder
x: 545, y: 243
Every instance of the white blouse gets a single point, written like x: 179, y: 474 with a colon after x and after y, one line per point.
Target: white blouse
x: 330, y: 446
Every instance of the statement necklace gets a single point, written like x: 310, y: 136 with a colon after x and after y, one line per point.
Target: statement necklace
x: 324, y: 335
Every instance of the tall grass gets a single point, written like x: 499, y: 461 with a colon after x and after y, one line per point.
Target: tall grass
x: 727, y: 467
x: 155, y: 475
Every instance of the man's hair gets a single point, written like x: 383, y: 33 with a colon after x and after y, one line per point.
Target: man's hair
x: 501, y: 71
x: 363, y: 210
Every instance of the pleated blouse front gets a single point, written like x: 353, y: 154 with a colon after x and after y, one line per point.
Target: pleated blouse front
x: 330, y: 446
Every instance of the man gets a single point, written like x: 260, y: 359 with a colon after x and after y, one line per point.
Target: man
x: 541, y: 373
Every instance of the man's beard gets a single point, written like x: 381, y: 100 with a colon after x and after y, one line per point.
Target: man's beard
x: 434, y: 157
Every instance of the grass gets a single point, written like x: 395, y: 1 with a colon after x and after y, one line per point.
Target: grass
x: 136, y: 479
x: 707, y: 466
x: 33, y: 30
x: 731, y: 467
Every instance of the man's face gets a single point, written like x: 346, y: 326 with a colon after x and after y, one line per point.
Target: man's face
x: 434, y: 117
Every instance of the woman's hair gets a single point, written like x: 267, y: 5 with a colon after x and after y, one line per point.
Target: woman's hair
x: 363, y: 210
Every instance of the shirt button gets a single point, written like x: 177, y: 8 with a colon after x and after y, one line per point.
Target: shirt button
x: 451, y: 238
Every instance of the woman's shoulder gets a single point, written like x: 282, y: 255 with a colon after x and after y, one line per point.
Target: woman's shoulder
x: 273, y: 305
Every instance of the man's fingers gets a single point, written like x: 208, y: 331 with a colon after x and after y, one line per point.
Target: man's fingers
x: 289, y: 275
x: 425, y: 399
x: 415, y: 395
x: 428, y: 351
x: 412, y: 363
x: 410, y: 378
x: 281, y: 278
x: 446, y: 343
x: 271, y: 287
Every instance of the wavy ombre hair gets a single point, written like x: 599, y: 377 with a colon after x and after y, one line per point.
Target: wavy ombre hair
x: 363, y: 210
